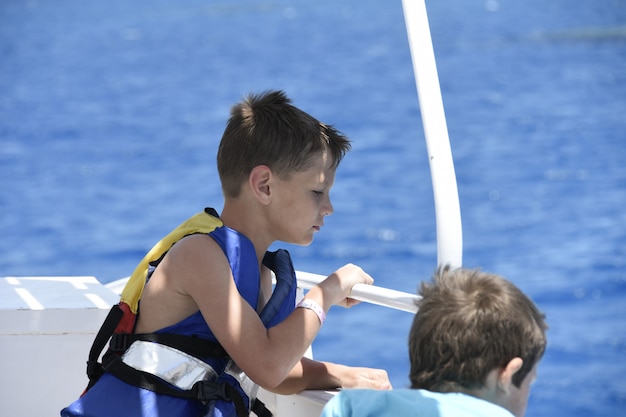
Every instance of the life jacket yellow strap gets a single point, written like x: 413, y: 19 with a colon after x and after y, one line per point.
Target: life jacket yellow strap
x: 199, y: 223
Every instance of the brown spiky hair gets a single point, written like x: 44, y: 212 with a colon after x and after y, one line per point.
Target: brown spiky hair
x: 266, y: 129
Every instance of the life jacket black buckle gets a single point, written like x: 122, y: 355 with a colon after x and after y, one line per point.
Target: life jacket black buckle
x: 207, y: 390
x: 119, y: 342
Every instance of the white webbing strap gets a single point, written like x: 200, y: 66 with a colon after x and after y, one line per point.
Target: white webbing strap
x: 179, y: 368
x: 171, y: 365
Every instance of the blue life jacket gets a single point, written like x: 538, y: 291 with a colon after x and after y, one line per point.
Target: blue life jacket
x: 116, y: 388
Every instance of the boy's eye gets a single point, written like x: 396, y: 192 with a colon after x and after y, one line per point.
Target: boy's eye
x: 318, y: 192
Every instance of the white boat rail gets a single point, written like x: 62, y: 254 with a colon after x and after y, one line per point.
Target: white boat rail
x: 367, y: 293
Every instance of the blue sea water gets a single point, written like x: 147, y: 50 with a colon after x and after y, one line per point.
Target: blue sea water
x: 111, y: 113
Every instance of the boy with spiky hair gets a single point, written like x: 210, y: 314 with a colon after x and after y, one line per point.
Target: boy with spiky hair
x: 202, y: 325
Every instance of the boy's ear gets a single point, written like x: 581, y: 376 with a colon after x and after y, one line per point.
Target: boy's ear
x: 505, y: 379
x: 259, y: 181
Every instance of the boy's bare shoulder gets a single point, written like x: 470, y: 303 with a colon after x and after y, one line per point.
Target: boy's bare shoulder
x: 196, y: 242
x: 194, y: 265
x: 197, y: 255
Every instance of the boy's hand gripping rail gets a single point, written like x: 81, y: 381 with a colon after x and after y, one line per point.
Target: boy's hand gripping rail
x: 368, y: 293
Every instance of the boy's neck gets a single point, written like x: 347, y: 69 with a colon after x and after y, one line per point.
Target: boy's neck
x: 240, y: 217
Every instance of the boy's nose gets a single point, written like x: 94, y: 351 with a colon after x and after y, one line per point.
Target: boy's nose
x: 327, y: 209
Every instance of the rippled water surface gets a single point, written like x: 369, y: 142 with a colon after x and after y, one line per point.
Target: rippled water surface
x: 111, y: 112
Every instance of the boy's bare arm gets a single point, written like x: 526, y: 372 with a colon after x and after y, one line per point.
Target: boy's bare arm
x: 267, y: 356
x: 311, y: 374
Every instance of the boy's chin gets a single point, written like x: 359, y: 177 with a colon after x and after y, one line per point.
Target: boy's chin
x: 304, y: 242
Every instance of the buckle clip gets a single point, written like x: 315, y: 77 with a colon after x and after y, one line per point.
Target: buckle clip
x: 119, y: 342
x: 208, y: 390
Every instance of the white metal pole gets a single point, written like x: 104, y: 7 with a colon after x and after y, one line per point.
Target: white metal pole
x: 447, y: 208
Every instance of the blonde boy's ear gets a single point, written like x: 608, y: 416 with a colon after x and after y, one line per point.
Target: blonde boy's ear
x: 259, y: 181
x: 505, y: 379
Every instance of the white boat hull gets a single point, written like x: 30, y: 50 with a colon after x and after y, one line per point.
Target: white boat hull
x: 47, y: 326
